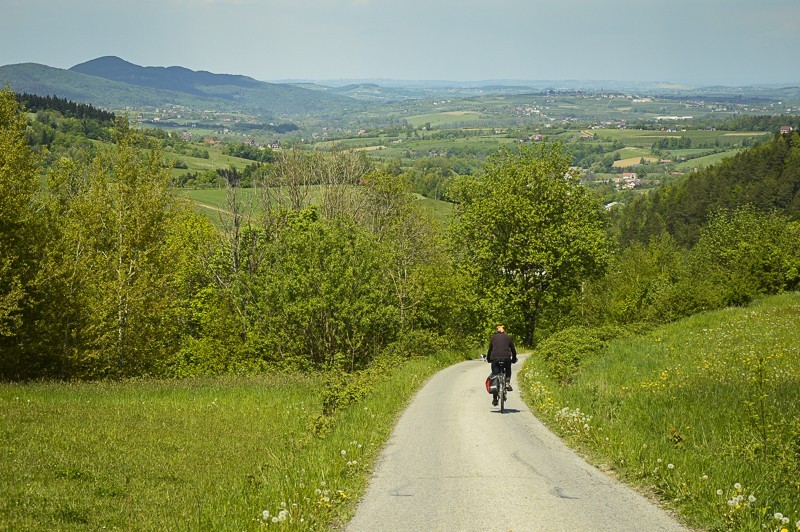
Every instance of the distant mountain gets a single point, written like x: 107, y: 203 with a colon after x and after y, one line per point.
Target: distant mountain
x: 115, y: 84
x: 172, y: 78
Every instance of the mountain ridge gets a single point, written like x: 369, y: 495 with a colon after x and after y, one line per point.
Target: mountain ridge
x: 113, y: 83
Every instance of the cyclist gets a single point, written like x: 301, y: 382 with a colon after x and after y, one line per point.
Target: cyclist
x: 501, y: 348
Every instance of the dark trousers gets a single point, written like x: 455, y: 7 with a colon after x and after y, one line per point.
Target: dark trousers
x: 502, y: 366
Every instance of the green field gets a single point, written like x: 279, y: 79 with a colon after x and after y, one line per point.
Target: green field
x: 214, y: 202
x: 704, y: 413
x: 646, y: 138
x: 196, y: 454
x: 445, y: 118
x: 709, y: 160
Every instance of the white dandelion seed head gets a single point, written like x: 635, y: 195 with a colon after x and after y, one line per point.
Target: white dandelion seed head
x: 283, y: 505
x: 283, y: 515
x: 344, y: 452
x: 274, y: 519
x: 704, y: 477
x: 265, y: 515
x: 751, y: 498
x: 785, y: 520
x: 670, y: 466
x: 737, y: 486
x: 778, y: 516
x: 719, y: 492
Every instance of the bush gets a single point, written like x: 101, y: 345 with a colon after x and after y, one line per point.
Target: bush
x: 565, y: 351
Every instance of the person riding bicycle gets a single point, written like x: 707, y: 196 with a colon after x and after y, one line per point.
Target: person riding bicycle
x: 501, y: 349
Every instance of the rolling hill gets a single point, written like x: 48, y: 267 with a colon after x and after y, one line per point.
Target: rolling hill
x: 113, y: 83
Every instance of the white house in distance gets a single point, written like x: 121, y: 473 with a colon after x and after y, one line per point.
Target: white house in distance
x: 628, y: 180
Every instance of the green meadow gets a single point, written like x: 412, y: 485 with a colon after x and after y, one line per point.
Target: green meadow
x: 214, y: 202
x: 223, y: 453
x: 702, y: 413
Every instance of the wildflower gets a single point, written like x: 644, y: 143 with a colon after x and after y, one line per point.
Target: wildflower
x: 344, y: 452
x: 283, y: 515
x: 785, y: 520
x: 778, y: 516
x: 274, y: 519
x: 751, y: 498
x: 737, y: 486
x: 670, y: 466
x: 265, y: 515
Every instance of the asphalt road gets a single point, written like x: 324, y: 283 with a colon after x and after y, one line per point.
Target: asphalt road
x: 455, y: 463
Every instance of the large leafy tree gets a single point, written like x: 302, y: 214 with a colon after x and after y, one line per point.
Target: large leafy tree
x: 529, y: 233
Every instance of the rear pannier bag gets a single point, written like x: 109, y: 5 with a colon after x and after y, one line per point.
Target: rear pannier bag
x: 491, y: 384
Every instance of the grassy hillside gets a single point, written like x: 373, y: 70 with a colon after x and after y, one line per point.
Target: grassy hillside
x: 205, y: 454
x: 704, y: 413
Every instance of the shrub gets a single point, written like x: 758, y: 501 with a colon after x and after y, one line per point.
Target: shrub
x: 565, y: 351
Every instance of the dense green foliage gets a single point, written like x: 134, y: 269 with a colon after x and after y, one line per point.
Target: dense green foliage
x: 34, y: 103
x: 529, y: 234
x: 128, y: 280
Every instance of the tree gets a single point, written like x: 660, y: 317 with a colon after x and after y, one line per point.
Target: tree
x: 530, y: 234
x: 18, y: 235
x: 117, y: 260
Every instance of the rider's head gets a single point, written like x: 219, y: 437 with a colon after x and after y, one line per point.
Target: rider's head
x: 501, y: 328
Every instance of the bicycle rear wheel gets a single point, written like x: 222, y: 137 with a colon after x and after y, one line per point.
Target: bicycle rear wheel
x: 501, y: 390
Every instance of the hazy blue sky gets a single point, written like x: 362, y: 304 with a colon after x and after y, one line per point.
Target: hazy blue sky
x: 727, y: 42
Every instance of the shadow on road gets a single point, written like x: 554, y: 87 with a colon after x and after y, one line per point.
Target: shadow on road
x: 508, y: 411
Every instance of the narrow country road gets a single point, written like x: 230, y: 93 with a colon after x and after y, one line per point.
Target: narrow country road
x: 440, y: 467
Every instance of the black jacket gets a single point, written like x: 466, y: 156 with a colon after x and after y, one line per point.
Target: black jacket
x: 501, y: 347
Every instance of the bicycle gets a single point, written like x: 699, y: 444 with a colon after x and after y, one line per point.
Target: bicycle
x: 501, y: 394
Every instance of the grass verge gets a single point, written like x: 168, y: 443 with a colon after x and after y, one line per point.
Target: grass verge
x: 704, y: 413
x: 229, y: 453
